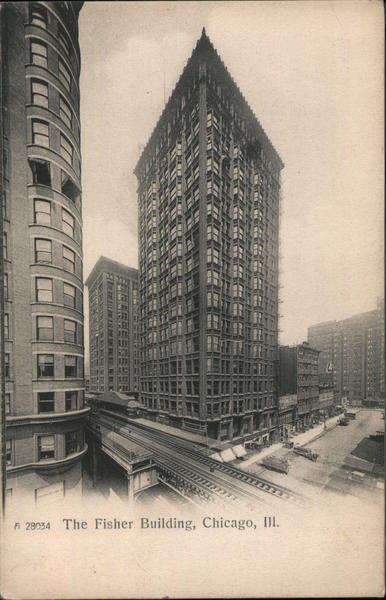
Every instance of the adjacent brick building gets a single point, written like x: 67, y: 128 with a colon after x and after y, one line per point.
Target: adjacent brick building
x: 208, y: 197
x: 41, y: 260
x: 112, y: 293
x: 298, y: 379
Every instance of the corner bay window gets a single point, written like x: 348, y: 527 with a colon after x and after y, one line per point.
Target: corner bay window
x: 45, y: 365
x: 43, y: 251
x: 68, y: 223
x: 41, y: 172
x: 66, y: 149
x: 68, y: 259
x: 38, y: 15
x: 39, y: 54
x: 65, y: 112
x: 64, y: 75
x: 43, y: 290
x: 70, y: 366
x: 39, y: 93
x: 46, y: 402
x: 42, y: 212
x: 69, y: 331
x: 45, y: 328
x: 46, y: 447
x: 69, y: 294
x: 40, y: 133
x: 72, y: 444
x: 71, y: 400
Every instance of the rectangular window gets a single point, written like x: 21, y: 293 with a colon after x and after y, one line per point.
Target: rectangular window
x: 43, y: 289
x: 69, y: 331
x: 7, y: 403
x: 7, y: 365
x: 45, y: 365
x: 40, y: 134
x: 71, y: 401
x: 43, y: 251
x: 8, y: 454
x: 66, y: 149
x: 68, y: 259
x: 69, y: 188
x: 46, y: 402
x: 6, y: 290
x: 38, y: 16
x: 69, y: 295
x: 71, y: 442
x: 42, y: 212
x: 45, y: 328
x: 46, y: 447
x: 6, y: 326
x: 5, y: 245
x: 41, y: 172
x: 65, y: 112
x: 68, y: 223
x: 70, y: 366
x: 64, y: 75
x: 39, y: 93
x: 39, y: 54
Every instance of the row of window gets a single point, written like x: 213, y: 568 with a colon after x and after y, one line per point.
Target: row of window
x: 43, y: 216
x: 73, y: 366
x: 72, y: 331
x: 74, y: 400
x: 46, y: 446
x: 39, y: 18
x: 41, y: 137
x: 39, y: 97
x: 44, y: 292
x: 39, y: 57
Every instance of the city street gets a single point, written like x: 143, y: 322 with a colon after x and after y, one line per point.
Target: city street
x: 333, y: 447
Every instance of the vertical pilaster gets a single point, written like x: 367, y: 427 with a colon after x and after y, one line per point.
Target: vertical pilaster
x: 203, y: 242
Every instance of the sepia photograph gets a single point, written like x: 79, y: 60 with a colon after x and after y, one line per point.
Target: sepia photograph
x: 192, y: 348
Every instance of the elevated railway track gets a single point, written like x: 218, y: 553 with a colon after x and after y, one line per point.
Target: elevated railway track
x: 197, y: 476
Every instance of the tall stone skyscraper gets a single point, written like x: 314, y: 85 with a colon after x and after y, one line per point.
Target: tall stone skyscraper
x: 209, y: 194
x: 113, y: 300
x: 41, y: 301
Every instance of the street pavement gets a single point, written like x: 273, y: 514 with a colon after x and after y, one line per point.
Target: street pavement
x: 333, y: 446
x: 301, y: 438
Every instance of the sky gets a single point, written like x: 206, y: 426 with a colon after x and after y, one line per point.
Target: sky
x: 312, y: 72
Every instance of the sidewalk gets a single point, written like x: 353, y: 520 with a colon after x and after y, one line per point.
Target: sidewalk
x: 302, y: 439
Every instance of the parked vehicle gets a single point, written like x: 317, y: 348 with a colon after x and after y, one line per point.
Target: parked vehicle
x: 350, y: 414
x: 306, y: 452
x: 276, y: 464
x: 344, y: 421
x: 356, y: 476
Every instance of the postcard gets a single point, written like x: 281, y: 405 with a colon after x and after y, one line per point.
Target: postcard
x: 192, y: 307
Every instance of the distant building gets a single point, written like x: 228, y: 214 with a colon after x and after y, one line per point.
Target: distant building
x: 113, y: 289
x: 328, y: 398
x: 208, y: 203
x: 354, y: 349
x: 298, y: 387
x: 41, y: 291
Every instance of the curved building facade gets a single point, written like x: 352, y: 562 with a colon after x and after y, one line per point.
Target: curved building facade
x: 43, y: 349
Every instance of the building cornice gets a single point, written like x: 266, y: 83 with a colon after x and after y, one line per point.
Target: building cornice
x: 42, y: 419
